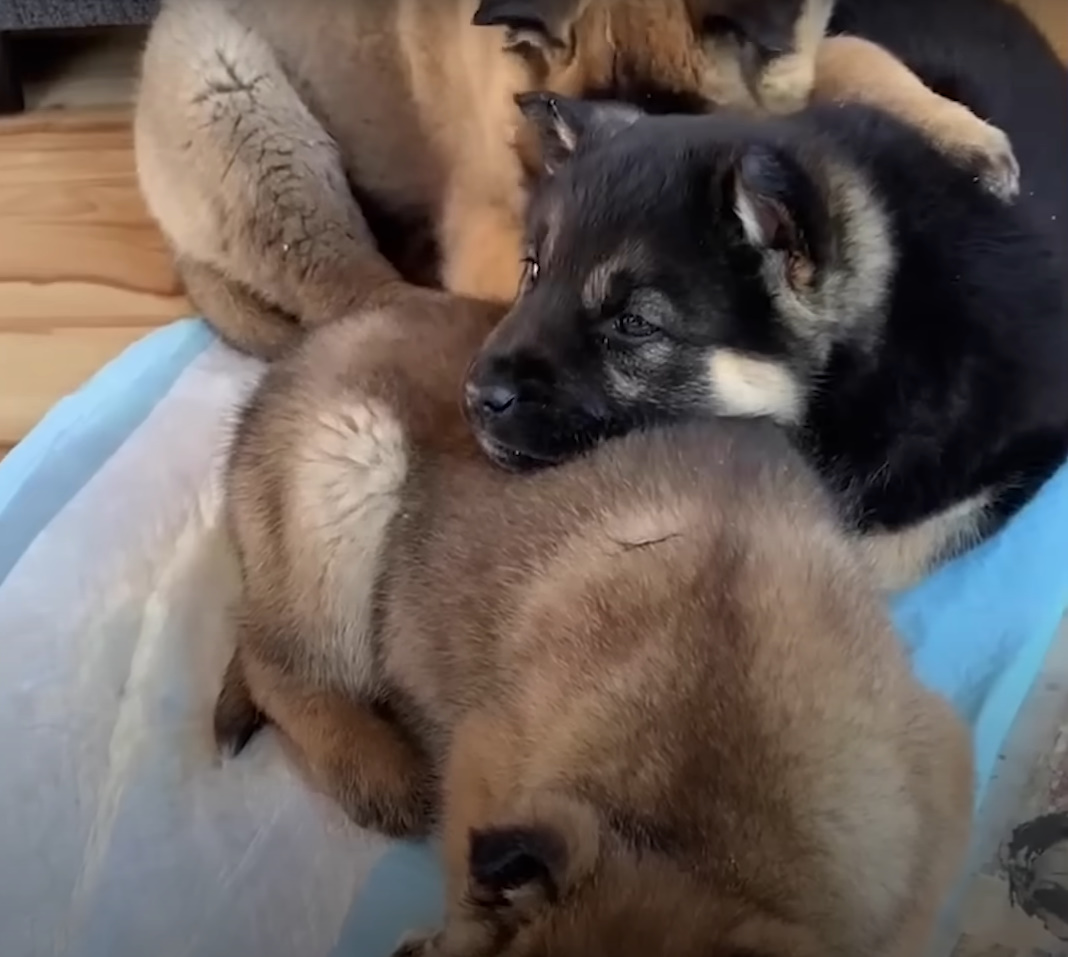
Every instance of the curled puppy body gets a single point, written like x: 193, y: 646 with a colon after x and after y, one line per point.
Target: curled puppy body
x: 316, y: 473
x: 828, y: 270
x: 302, y: 158
x: 667, y: 712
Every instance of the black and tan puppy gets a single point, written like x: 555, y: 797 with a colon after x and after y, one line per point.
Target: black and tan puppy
x: 276, y: 140
x: 649, y: 696
x: 829, y: 270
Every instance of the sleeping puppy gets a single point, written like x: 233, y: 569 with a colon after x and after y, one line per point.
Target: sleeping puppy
x: 606, y: 683
x: 295, y: 153
x: 829, y: 271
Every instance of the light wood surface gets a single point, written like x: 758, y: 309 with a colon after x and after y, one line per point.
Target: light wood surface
x: 82, y: 270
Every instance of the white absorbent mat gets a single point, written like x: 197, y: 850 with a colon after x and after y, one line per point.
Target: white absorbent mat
x: 122, y: 835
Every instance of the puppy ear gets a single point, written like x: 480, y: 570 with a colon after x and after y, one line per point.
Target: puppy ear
x: 511, y: 863
x: 541, y: 24
x: 563, y: 125
x: 516, y: 869
x: 780, y: 209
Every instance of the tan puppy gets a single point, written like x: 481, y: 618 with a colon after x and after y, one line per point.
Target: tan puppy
x: 664, y: 711
x: 271, y: 133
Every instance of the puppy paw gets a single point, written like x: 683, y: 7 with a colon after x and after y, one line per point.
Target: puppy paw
x: 998, y: 168
x: 416, y: 943
x: 987, y: 151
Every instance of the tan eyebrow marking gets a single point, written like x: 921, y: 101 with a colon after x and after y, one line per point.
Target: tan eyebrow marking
x: 599, y: 279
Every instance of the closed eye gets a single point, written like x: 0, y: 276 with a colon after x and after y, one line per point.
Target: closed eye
x: 633, y: 327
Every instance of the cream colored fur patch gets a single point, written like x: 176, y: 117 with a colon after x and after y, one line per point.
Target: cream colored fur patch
x: 347, y: 486
x: 747, y: 386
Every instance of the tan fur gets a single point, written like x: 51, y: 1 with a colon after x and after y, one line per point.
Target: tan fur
x: 314, y: 484
x: 255, y: 115
x: 852, y: 69
x: 901, y: 559
x: 662, y: 660
x: 743, y: 385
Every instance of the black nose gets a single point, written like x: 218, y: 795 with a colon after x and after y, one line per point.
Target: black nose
x: 490, y: 399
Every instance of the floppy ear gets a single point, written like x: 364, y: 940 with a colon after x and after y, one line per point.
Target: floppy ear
x: 510, y: 865
x: 780, y: 209
x: 515, y: 869
x: 564, y: 124
x: 542, y: 24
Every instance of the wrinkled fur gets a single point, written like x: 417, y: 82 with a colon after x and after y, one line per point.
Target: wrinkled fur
x: 648, y: 696
x: 278, y: 141
x: 828, y: 270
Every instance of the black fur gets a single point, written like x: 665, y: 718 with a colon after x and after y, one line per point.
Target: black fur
x: 956, y: 385
x: 503, y: 859
x: 988, y: 55
x: 966, y: 389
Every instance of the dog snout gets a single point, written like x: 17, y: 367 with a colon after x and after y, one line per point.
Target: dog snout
x: 489, y: 400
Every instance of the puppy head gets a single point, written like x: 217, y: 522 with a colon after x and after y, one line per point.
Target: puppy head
x: 676, y: 266
x: 566, y: 886
x: 674, y: 55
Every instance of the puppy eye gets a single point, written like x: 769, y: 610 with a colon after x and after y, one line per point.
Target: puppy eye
x: 631, y: 326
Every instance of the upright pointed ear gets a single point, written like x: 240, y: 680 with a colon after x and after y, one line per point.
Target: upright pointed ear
x: 515, y: 869
x: 563, y: 125
x: 543, y: 25
x: 780, y: 209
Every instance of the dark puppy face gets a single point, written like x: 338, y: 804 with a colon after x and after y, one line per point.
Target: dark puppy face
x: 674, y: 268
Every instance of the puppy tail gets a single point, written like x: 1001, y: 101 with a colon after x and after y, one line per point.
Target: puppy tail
x: 237, y: 719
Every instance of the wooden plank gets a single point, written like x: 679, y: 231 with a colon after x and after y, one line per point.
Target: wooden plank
x: 83, y: 271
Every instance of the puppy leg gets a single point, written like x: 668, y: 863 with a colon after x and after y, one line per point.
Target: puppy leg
x: 901, y: 558
x: 482, y: 245
x: 359, y: 758
x: 849, y: 69
x: 246, y: 184
x: 786, y: 83
x: 474, y: 764
x: 243, y: 320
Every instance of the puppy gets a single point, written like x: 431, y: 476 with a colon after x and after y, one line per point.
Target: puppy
x: 277, y: 141
x: 649, y: 694
x: 827, y: 270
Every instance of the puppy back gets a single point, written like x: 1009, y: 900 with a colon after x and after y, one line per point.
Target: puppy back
x: 675, y: 630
